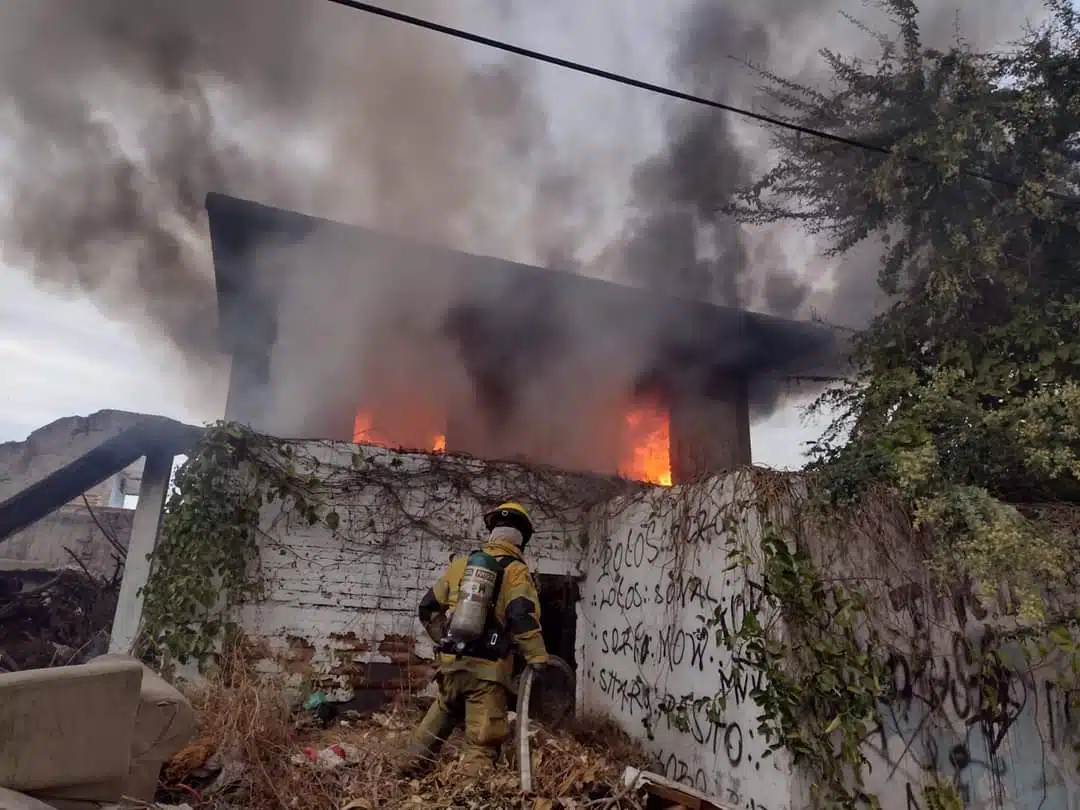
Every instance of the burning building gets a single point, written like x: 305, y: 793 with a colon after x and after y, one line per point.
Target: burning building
x: 338, y: 332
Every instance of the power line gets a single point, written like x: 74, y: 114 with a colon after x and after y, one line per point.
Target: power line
x: 598, y: 72
x: 659, y: 89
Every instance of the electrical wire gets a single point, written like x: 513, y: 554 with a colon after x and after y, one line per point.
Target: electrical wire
x: 628, y: 81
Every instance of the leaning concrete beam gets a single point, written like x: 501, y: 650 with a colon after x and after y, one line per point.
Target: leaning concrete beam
x: 62, y: 460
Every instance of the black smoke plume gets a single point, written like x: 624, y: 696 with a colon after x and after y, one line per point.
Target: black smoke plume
x: 121, y: 114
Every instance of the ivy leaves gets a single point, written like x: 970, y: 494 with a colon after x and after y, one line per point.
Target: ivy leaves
x: 205, y: 562
x: 819, y: 682
x: 205, y: 549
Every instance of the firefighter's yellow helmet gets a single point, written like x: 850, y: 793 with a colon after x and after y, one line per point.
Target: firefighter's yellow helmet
x: 511, y: 514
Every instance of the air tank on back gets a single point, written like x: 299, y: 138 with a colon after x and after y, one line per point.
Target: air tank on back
x: 475, y: 596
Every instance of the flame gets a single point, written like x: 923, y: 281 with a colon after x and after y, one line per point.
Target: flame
x: 648, y: 437
x: 365, y: 433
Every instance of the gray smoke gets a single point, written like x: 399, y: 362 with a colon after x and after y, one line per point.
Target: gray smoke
x: 678, y: 242
x: 116, y: 138
x: 122, y: 114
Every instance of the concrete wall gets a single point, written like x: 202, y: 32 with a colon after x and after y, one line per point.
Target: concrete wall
x: 72, y: 527
x: 657, y: 563
x: 710, y: 434
x: 341, y: 606
x: 113, y: 490
x: 1022, y: 755
x: 340, y: 609
x: 1017, y: 752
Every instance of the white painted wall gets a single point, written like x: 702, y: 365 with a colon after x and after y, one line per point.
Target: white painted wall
x: 655, y: 565
x: 336, y: 599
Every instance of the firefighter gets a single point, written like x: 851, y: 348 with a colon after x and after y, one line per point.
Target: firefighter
x: 483, y: 606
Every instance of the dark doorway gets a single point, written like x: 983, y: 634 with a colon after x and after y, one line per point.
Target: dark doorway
x: 558, y: 614
x: 553, y: 697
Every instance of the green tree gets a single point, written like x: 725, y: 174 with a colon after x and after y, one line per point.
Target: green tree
x: 967, y: 395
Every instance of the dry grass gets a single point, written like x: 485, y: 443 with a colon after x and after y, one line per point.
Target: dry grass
x: 248, y: 727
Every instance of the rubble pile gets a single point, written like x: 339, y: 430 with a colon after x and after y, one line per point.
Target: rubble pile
x: 255, y: 752
x: 53, y: 618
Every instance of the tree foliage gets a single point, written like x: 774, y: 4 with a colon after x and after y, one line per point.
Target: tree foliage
x: 967, y: 397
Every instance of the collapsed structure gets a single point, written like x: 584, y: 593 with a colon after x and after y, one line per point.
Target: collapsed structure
x: 338, y: 332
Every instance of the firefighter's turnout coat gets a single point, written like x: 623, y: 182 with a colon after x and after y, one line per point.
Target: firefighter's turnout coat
x: 515, y: 617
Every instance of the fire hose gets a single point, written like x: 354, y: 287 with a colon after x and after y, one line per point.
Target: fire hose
x: 524, y: 754
x: 524, y: 698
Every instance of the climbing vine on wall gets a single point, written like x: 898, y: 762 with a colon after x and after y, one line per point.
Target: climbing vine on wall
x: 942, y: 796
x: 821, y: 685
x: 819, y: 639
x: 239, y: 484
x: 201, y: 566
x: 821, y: 681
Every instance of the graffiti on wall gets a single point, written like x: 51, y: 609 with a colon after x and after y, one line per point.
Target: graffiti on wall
x: 1003, y: 737
x: 651, y: 656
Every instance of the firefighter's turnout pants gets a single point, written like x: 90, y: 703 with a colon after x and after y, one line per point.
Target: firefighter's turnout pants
x: 480, y: 704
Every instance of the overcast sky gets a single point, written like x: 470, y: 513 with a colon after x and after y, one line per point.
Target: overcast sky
x: 59, y: 355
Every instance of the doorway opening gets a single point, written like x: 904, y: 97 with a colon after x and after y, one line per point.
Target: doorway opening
x: 554, y: 696
x: 559, y: 595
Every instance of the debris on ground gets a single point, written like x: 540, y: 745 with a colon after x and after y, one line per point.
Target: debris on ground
x: 53, y: 617
x: 668, y: 794
x: 255, y: 752
x: 329, y: 758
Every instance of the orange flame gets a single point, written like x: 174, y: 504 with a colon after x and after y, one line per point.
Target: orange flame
x: 648, y: 435
x: 365, y: 433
